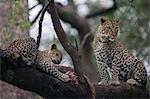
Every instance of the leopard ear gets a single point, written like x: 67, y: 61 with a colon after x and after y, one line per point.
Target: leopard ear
x: 103, y: 20
x: 54, y: 46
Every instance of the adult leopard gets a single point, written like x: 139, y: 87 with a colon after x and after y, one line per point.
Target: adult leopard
x: 114, y: 61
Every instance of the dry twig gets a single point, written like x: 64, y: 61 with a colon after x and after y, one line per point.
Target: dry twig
x: 40, y: 23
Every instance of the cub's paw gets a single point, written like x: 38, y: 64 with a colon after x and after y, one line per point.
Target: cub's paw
x: 133, y: 82
x: 114, y: 82
x: 103, y: 82
x: 65, y: 78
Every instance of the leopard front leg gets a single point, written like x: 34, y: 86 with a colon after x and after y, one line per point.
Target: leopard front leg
x: 54, y: 72
x: 114, y: 80
x: 103, y: 73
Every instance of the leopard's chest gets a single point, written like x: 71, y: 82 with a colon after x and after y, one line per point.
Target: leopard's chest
x: 104, y: 54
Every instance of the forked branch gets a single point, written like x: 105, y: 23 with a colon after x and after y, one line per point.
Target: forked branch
x: 72, y: 50
x: 40, y: 23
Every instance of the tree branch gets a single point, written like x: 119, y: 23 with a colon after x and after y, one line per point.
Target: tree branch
x: 36, y: 16
x: 40, y: 23
x: 72, y: 50
x: 124, y: 90
x: 102, y: 11
x: 33, y: 7
x: 50, y: 87
x: 84, y: 41
x: 40, y: 82
x: 69, y: 14
x: 90, y: 85
x: 76, y: 44
x: 7, y: 91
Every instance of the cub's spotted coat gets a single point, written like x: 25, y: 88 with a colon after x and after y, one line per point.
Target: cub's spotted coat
x: 25, y: 51
x: 114, y: 61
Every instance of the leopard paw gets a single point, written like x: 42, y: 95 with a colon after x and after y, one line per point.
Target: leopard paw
x: 114, y: 82
x: 103, y: 82
x: 133, y: 82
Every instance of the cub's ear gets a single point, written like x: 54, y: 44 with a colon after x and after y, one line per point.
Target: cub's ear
x: 103, y: 20
x: 117, y: 21
x: 54, y: 46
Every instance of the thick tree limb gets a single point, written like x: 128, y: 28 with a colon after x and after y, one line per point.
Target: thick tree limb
x: 50, y: 87
x: 40, y: 82
x: 85, y: 39
x: 8, y: 91
x: 90, y: 85
x: 64, y: 40
x: 122, y: 91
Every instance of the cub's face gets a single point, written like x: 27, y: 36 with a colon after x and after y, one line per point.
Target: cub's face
x: 55, y: 54
x: 108, y: 30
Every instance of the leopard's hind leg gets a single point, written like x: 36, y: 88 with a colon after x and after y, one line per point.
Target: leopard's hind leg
x: 139, y: 77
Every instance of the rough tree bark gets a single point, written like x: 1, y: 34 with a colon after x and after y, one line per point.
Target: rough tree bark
x: 48, y: 86
x: 8, y: 91
x: 40, y: 82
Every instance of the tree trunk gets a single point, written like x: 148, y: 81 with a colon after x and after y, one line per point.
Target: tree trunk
x: 14, y: 20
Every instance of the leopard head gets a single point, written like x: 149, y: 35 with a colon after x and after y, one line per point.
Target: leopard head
x: 55, y: 54
x: 107, y: 31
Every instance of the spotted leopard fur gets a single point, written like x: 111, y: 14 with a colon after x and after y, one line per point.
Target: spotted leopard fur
x: 114, y: 61
x: 24, y: 52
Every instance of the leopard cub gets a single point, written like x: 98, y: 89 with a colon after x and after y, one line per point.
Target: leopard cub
x: 25, y: 52
x: 114, y: 61
x: 47, y: 59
